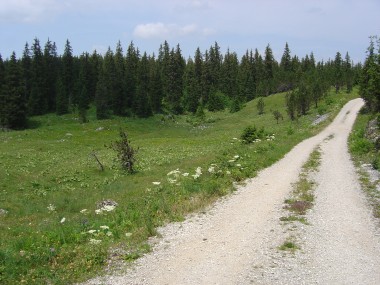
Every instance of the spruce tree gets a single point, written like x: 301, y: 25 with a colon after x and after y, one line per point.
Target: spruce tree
x: 68, y: 76
x: 142, y: 106
x: 37, y: 102
x: 348, y: 74
x: 338, y: 72
x: 101, y: 100
x: 131, y: 65
x: 229, y: 80
x: 50, y: 58
x: 12, y: 97
x: 26, y: 63
x: 119, y: 98
x: 155, y: 85
x: 269, y: 63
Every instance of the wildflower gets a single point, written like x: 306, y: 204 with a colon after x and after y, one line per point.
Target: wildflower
x: 63, y: 220
x: 51, y: 208
x: 92, y: 231
x: 238, y: 165
x: 231, y: 160
x: 172, y: 181
x: 235, y: 139
x: 211, y: 169
x: 104, y: 227
x: 228, y: 172
x: 198, y: 170
x: 156, y: 183
x: 84, y: 211
x: 95, y: 241
x: 174, y: 172
x: 185, y: 174
x: 109, y: 234
x: 236, y: 157
x: 98, y: 211
x: 128, y: 234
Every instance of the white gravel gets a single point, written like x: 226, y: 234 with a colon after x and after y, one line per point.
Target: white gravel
x: 236, y: 241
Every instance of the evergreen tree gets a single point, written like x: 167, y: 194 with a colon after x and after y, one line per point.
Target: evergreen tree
x: 246, y: 77
x: 229, y: 81
x: 192, y: 88
x: 12, y: 97
x: 37, y: 103
x: 62, y: 100
x: 101, y: 100
x: 142, y: 103
x: 119, y: 98
x: 68, y: 77
x: 155, y: 85
x: 131, y: 65
x: 269, y: 63
x: 174, y: 90
x: 286, y: 70
x: 338, y: 72
x: 26, y: 63
x: 50, y: 58
x: 348, y: 74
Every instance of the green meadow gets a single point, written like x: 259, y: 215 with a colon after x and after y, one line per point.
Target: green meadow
x: 53, y: 229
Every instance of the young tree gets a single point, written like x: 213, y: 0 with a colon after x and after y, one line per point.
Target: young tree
x: 260, y: 106
x: 68, y: 77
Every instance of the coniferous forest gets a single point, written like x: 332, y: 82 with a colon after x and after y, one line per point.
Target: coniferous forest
x: 126, y: 82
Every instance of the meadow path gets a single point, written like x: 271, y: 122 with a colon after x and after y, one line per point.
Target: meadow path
x: 236, y: 241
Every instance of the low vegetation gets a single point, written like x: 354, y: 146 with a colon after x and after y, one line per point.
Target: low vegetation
x: 62, y: 215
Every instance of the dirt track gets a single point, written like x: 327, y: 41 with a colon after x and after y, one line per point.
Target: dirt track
x: 236, y: 241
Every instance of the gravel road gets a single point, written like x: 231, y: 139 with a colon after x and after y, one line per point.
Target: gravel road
x: 237, y: 240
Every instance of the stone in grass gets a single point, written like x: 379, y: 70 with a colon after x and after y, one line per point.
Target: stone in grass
x: 106, y: 203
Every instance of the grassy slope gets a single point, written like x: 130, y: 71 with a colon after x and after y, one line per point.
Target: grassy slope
x: 51, y: 164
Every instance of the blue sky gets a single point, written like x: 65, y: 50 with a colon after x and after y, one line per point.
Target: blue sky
x: 319, y: 26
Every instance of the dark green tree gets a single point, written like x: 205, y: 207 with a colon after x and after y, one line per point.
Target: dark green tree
x: 68, y: 77
x: 338, y: 72
x: 260, y: 106
x: 131, y: 65
x: 51, y: 67
x: 348, y: 73
x: 142, y: 106
x: 119, y: 97
x: 12, y: 97
x: 101, y: 96
x: 26, y: 63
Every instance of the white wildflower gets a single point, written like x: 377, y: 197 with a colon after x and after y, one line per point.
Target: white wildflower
x: 95, y: 241
x: 174, y: 172
x: 231, y: 160
x: 104, y: 227
x: 156, y: 183
x: 238, y: 165
x: 92, y: 231
x: 98, y: 211
x: 236, y: 156
x: 109, y: 234
x: 228, y: 172
x: 51, y: 208
x: 128, y: 234
x: 198, y: 170
x: 172, y: 181
x: 235, y: 139
x: 63, y: 220
x: 211, y: 169
x: 84, y: 211
x: 185, y: 174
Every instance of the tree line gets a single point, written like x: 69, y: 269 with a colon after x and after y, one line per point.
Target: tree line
x: 131, y: 83
x: 370, y: 78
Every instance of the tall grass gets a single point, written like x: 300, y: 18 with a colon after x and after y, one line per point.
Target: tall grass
x: 50, y: 184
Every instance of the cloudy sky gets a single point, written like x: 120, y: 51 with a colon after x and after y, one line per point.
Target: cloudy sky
x: 320, y: 26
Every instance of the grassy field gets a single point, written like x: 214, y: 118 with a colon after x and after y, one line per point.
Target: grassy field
x: 50, y: 184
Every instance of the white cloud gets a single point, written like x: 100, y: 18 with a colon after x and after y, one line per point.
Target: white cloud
x: 166, y: 31
x: 27, y: 10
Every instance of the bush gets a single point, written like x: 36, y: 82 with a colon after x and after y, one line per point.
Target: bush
x: 251, y: 134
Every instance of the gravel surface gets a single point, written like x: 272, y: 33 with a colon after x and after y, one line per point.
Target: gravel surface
x: 237, y: 240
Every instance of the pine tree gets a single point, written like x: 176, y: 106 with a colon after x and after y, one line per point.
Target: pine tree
x: 50, y: 58
x: 142, y: 106
x: 37, y: 102
x: 229, y: 81
x: 191, y: 95
x: 62, y: 100
x: 26, y: 63
x: 348, y: 74
x: 338, y: 72
x: 155, y: 85
x: 68, y: 77
x: 176, y: 71
x: 12, y: 97
x: 101, y: 100
x: 119, y: 98
x: 131, y: 65
x: 269, y: 63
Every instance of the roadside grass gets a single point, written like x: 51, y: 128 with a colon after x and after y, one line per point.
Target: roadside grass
x: 50, y: 183
x: 363, y: 151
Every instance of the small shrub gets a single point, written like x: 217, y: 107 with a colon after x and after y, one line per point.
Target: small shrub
x: 277, y: 115
x: 217, y: 101
x: 260, y: 106
x: 126, y: 154
x: 251, y: 134
x: 236, y: 106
